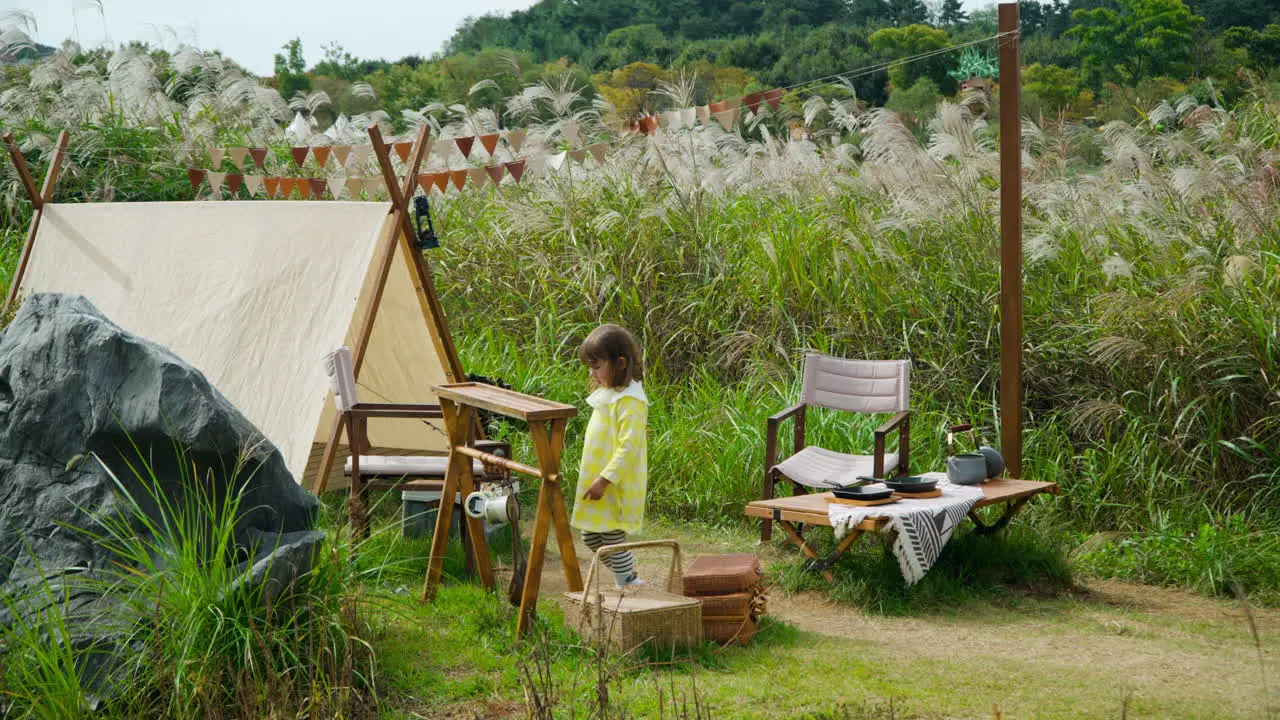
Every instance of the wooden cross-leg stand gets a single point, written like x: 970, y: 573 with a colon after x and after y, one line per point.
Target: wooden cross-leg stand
x: 458, y: 478
x: 547, y: 421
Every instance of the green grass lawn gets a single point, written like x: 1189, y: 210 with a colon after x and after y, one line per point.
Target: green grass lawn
x: 998, y: 623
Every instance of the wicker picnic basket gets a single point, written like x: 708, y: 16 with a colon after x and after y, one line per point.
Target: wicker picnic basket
x: 731, y: 589
x: 627, y: 620
x: 723, y: 574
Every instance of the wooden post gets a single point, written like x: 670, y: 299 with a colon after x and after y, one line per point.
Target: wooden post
x: 1010, y: 239
x: 37, y: 201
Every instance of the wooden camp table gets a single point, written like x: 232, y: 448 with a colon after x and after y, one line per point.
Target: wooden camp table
x: 811, y: 509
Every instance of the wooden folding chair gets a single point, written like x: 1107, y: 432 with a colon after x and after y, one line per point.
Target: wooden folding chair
x: 370, y: 472
x: 865, y: 386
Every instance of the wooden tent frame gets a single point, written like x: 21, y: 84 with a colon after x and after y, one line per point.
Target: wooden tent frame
x: 400, y: 190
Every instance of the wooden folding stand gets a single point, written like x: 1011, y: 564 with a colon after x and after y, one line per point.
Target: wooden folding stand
x: 547, y: 421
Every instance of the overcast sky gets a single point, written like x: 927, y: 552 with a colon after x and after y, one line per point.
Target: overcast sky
x: 252, y: 31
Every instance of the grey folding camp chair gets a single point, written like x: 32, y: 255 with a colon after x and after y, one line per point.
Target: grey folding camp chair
x: 864, y: 386
x: 370, y: 472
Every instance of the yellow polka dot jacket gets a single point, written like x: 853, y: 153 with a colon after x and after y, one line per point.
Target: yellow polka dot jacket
x: 615, y: 448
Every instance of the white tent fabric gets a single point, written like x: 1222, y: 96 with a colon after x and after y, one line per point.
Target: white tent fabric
x: 253, y: 294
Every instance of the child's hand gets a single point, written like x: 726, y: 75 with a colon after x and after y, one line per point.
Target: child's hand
x: 597, y: 489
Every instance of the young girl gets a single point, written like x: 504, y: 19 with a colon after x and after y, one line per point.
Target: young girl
x: 614, y: 469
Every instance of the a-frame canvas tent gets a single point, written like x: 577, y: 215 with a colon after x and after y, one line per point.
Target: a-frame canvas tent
x: 253, y: 294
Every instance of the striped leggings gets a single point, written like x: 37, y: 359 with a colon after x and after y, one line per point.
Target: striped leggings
x: 622, y: 564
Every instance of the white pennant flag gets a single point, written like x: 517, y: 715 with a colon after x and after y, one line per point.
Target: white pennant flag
x: 515, y: 138
x: 578, y: 156
x: 597, y: 151
x: 238, y: 155
x: 555, y: 162
x: 253, y: 183
x: 687, y: 117
x: 216, y: 155
x: 215, y: 180
x: 478, y: 176
x: 374, y: 186
x: 535, y: 166
x: 570, y: 132
x: 359, y: 156
x: 354, y: 185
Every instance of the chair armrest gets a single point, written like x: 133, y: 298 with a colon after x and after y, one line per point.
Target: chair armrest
x: 795, y: 412
x: 901, y: 421
x: 396, y: 410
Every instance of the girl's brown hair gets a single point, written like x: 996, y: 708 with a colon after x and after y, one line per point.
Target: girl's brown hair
x: 609, y: 343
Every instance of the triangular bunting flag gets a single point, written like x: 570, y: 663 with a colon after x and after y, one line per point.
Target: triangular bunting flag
x: 359, y: 156
x: 273, y: 186
x: 555, y: 162
x: 716, y: 107
x: 570, y: 132
x: 459, y: 178
x: 598, y: 150
x: 752, y: 102
x: 196, y: 177
x: 238, y: 156
x: 299, y: 155
x: 215, y: 180
x: 253, y: 184
x: 374, y: 186
x: 304, y: 188
x: 478, y: 176
x: 634, y: 126
x: 490, y: 143
x: 772, y: 97
x: 727, y: 118
x: 704, y: 114
x: 578, y: 156
x: 322, y: 155
x: 464, y: 146
x: 425, y: 180
x: 340, y: 153
x: 733, y: 103
x: 216, y: 155
x: 318, y: 186
x: 259, y: 156
x: 442, y: 181
x: 495, y: 174
x: 515, y: 138
x: 287, y: 184
x: 515, y: 169
x: 403, y: 149
x: 353, y: 187
x: 234, y: 181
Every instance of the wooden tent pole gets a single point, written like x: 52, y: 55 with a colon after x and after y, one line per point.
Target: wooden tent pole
x: 365, y: 329
x: 1010, y: 239
x: 37, y: 200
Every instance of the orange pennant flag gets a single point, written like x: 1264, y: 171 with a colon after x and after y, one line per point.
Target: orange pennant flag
x: 515, y: 169
x: 299, y: 155
x: 322, y: 155
x: 442, y: 181
x: 490, y: 143
x: 273, y: 186
x: 287, y: 184
x: 403, y: 149
x: 304, y: 188
x: 425, y: 180
x: 459, y: 178
x: 464, y: 146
